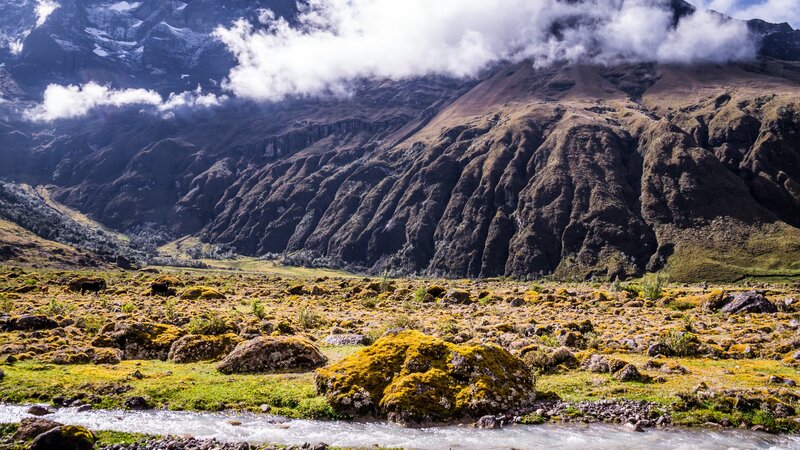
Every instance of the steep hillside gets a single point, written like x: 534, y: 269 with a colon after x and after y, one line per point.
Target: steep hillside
x: 574, y: 170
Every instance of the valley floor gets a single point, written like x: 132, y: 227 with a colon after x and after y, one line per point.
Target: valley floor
x: 694, y: 364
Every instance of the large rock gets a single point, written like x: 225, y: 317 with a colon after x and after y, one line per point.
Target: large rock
x: 193, y: 348
x: 749, y: 302
x: 412, y: 378
x: 141, y: 340
x: 66, y: 437
x: 268, y: 354
x: 346, y: 339
x: 29, y: 428
x: 30, y: 322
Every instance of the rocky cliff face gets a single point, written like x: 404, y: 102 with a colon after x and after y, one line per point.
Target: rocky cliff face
x: 579, y: 171
x: 558, y: 172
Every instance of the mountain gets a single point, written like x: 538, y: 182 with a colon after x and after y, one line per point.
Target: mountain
x: 577, y: 170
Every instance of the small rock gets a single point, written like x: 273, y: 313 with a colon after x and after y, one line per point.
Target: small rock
x: 634, y: 427
x: 516, y: 302
x: 659, y: 349
x: 629, y: 373
x: 265, y: 408
x: 488, y: 422
x: 234, y: 423
x: 137, y: 403
x: 37, y: 410
x: 346, y: 339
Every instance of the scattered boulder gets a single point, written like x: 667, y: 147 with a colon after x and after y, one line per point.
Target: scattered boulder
x: 436, y: 291
x: 65, y: 357
x: 271, y: 354
x: 202, y: 293
x: 137, y: 403
x: 346, y: 339
x: 30, y: 322
x: 659, y: 349
x: 457, y: 297
x: 412, y: 378
x: 297, y: 289
x: 603, y: 364
x: 630, y: 373
x: 38, y: 410
x: 87, y: 284
x: 548, y: 360
x: 31, y: 427
x: 141, y: 340
x: 748, y: 303
x: 194, y: 348
x: 65, y: 437
x: 103, y: 355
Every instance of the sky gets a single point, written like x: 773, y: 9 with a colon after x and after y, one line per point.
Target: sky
x: 336, y: 43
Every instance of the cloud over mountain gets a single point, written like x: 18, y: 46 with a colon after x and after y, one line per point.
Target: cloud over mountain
x: 335, y: 42
x: 67, y: 102
x: 777, y: 11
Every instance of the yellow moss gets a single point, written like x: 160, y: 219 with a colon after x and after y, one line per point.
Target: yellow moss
x: 203, y: 293
x: 413, y: 377
x: 169, y: 280
x: 74, y: 434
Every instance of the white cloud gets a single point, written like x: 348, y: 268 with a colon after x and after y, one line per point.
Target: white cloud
x: 43, y: 10
x: 776, y: 11
x: 67, y: 102
x: 337, y: 42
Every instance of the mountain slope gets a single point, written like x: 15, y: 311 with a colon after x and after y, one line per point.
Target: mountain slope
x: 581, y: 170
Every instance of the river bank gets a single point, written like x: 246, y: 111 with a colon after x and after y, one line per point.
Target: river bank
x: 259, y: 429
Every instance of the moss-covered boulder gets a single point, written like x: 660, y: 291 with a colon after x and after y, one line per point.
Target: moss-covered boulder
x: 202, y: 293
x: 412, y: 378
x: 66, y: 437
x: 29, y: 322
x: 141, y: 340
x: 194, y: 348
x: 273, y: 354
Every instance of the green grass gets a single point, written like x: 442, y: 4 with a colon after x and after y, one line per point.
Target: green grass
x: 769, y: 253
x: 717, y: 374
x: 105, y: 438
x: 197, y: 387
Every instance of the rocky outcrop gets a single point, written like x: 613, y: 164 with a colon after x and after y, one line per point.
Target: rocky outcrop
x: 193, y: 348
x: 141, y: 340
x: 412, y: 379
x: 272, y: 355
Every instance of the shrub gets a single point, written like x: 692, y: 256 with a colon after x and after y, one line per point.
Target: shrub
x: 309, y: 319
x: 682, y: 343
x: 208, y: 324
x: 653, y: 289
x: 257, y: 308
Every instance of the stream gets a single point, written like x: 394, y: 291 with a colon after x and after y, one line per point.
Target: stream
x: 264, y: 428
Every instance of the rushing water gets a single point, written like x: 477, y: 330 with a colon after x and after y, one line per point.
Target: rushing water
x: 271, y: 429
